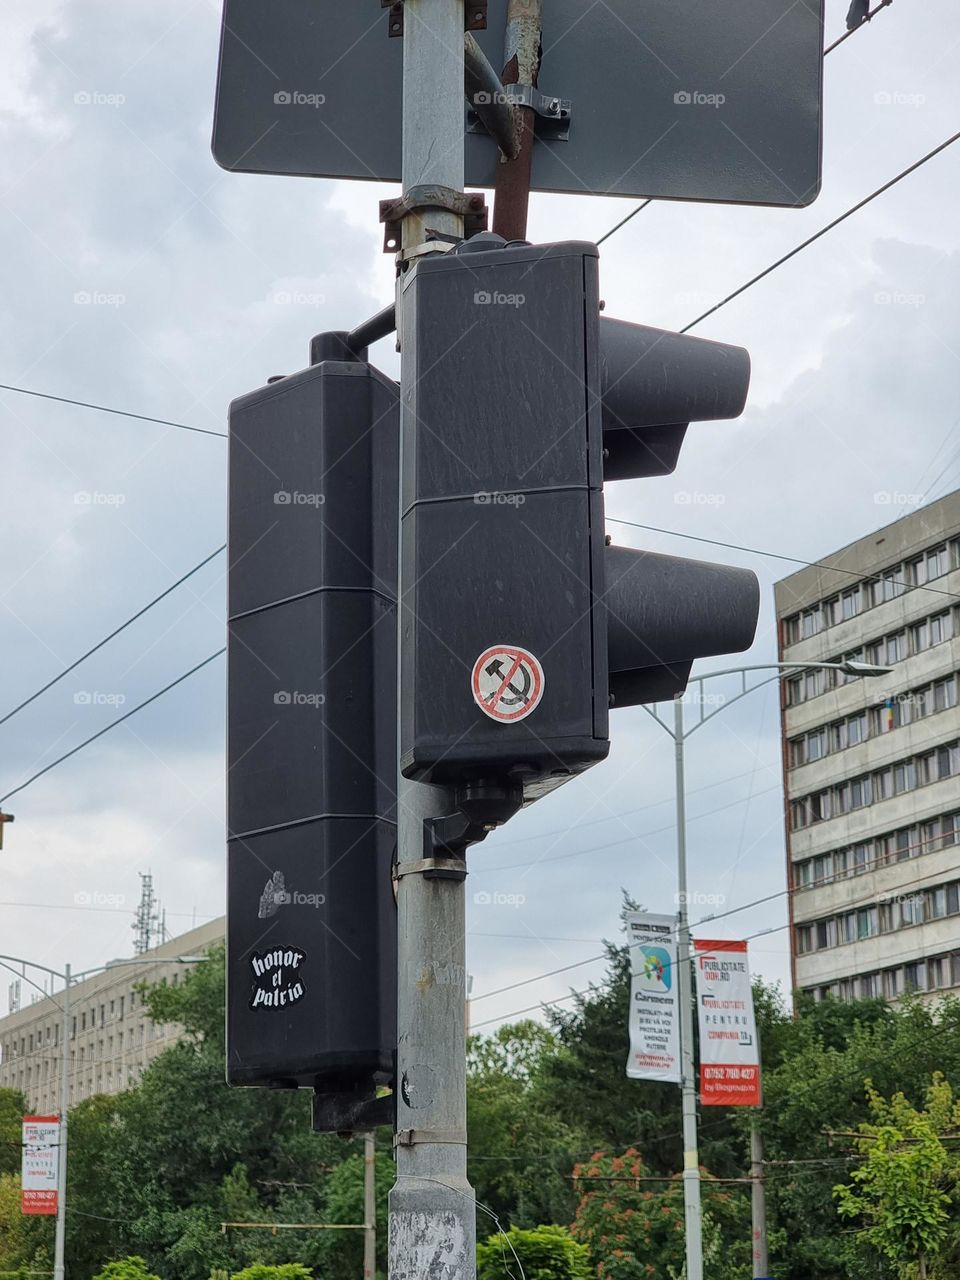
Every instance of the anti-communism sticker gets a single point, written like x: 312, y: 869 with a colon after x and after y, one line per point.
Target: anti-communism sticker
x: 507, y: 682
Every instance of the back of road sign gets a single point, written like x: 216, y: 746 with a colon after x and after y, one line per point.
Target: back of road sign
x: 716, y: 100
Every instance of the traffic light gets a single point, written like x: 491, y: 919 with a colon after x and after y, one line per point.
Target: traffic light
x: 521, y: 627
x: 312, y: 740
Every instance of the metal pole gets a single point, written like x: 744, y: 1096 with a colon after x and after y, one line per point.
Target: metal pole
x: 59, y: 1270
x: 521, y: 59
x: 691, y: 1155
x: 432, y: 1214
x: 369, y: 1207
x: 761, y: 1260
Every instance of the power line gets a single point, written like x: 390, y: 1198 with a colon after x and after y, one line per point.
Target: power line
x: 638, y: 835
x: 870, y: 898
x: 112, y: 725
x: 103, y: 408
x: 106, y: 639
x: 823, y: 230
x: 623, y: 221
x: 627, y: 813
x: 853, y: 30
x: 829, y: 49
x: 776, y: 555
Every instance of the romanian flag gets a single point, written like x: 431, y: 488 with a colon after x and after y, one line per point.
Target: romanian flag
x: 889, y: 706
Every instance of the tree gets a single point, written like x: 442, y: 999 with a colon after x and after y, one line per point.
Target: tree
x: 632, y: 1222
x: 13, y: 1107
x: 543, y: 1253
x: 902, y: 1189
x: 522, y: 1145
x: 340, y: 1253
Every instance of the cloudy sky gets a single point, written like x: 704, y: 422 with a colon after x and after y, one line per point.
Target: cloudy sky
x: 139, y: 275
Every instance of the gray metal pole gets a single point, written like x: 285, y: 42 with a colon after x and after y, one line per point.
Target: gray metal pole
x: 761, y: 1259
x: 432, y: 1215
x: 59, y: 1270
x: 691, y: 1155
x: 369, y: 1207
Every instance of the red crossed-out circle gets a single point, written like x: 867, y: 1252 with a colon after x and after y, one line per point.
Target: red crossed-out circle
x: 513, y: 688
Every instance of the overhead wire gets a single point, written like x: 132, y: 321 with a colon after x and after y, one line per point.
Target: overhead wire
x: 112, y: 725
x: 829, y: 49
x: 115, y: 632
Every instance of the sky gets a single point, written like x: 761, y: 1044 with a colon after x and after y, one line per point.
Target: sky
x: 139, y: 275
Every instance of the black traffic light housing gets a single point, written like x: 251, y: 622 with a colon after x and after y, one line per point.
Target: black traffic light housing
x: 521, y: 627
x: 312, y: 744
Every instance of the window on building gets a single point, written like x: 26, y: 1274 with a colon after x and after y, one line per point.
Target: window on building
x: 936, y: 973
x: 868, y: 923
x: 936, y: 903
x: 896, y: 649
x: 862, y: 856
x: 920, y: 636
x: 816, y: 744
x: 915, y: 572
x: 838, y: 736
x: 869, y: 986
x: 941, y: 627
x: 791, y: 629
x: 915, y: 976
x: 874, y: 653
x: 802, y: 874
x: 798, y: 749
x: 840, y: 861
x: 893, y: 583
x: 847, y: 927
x: 851, y: 603
x: 857, y: 729
x: 794, y: 691
x: 891, y: 983
x: 938, y: 562
x: 811, y: 621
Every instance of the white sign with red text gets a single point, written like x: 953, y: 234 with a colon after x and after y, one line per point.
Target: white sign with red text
x: 41, y: 1150
x: 729, y: 1049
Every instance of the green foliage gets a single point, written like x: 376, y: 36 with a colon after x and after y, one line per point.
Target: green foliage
x: 129, y: 1268
x: 197, y: 1003
x: 544, y: 1253
x: 339, y: 1254
x: 633, y: 1226
x: 902, y: 1189
x: 13, y: 1107
x: 282, y: 1271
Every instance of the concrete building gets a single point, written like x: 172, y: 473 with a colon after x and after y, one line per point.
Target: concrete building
x: 872, y: 766
x: 112, y: 1039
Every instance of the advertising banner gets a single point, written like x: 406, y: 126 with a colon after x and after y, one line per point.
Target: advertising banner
x: 41, y: 1150
x: 654, y: 1007
x: 729, y: 1049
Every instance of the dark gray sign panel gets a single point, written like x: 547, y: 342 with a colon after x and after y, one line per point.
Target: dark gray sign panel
x: 715, y: 100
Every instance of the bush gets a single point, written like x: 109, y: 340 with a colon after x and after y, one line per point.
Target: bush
x: 545, y: 1253
x: 131, y: 1268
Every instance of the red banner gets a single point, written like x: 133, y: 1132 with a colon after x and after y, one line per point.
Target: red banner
x: 41, y: 1152
x: 729, y: 1049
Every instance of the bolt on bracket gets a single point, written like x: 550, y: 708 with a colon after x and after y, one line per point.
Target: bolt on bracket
x: 475, y: 16
x: 470, y: 206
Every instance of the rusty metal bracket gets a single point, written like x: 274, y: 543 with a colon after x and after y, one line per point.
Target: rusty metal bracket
x: 470, y: 206
x: 475, y: 16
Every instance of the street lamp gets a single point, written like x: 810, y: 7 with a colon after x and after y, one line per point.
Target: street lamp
x: 691, y: 1154
x: 67, y: 977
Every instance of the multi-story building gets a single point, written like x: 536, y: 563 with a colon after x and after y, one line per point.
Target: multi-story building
x: 872, y: 765
x: 112, y: 1040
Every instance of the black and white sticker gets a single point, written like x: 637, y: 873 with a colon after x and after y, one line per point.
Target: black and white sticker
x: 276, y: 978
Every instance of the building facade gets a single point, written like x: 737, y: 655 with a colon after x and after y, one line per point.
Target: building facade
x: 872, y: 765
x: 112, y: 1041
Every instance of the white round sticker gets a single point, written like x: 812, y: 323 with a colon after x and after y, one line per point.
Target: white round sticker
x: 507, y: 683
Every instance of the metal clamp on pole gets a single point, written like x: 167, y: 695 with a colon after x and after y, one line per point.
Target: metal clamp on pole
x: 419, y: 201
x: 474, y: 16
x: 432, y: 869
x: 412, y: 1137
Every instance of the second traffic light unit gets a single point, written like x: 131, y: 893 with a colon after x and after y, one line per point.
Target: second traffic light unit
x: 520, y: 627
